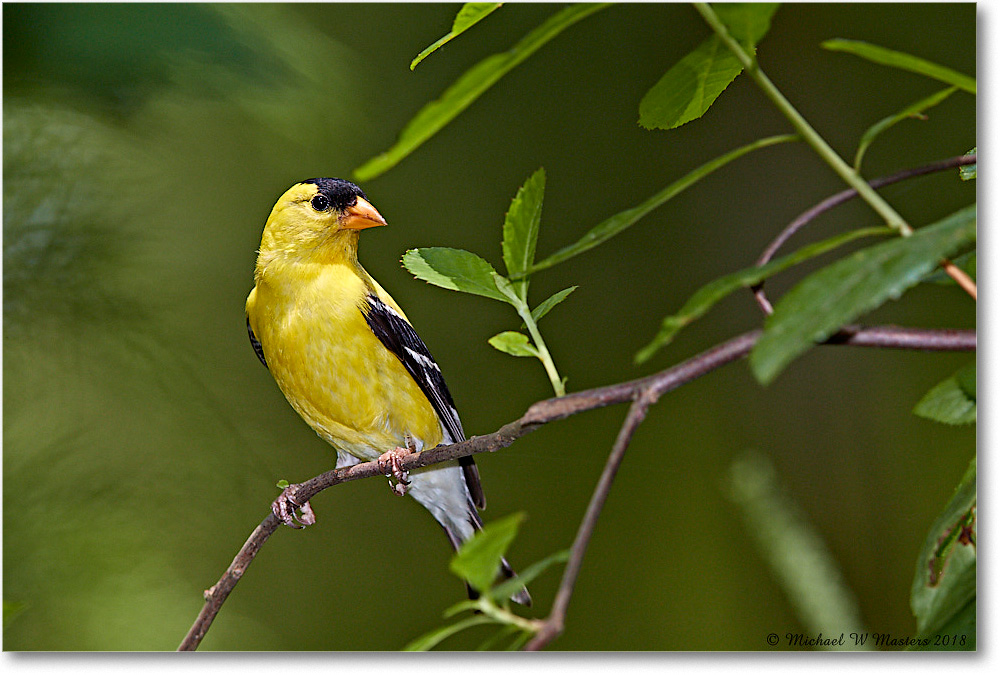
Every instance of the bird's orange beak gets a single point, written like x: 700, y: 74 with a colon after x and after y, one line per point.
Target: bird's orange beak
x: 361, y: 216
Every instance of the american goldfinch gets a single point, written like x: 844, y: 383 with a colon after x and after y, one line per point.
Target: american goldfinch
x: 347, y: 359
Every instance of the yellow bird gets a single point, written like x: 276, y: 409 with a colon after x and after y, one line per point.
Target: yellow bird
x: 347, y: 359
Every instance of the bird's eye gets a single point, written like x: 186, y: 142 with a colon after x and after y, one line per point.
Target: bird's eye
x: 320, y: 202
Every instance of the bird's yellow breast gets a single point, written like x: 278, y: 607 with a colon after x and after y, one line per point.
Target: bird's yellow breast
x: 333, y: 370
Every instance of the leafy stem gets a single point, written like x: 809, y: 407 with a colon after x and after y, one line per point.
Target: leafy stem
x: 809, y: 135
x: 623, y: 220
x: 464, y: 271
x: 476, y: 563
x: 544, y: 412
x: 822, y: 148
x: 541, y: 351
x: 558, y: 386
x: 489, y: 608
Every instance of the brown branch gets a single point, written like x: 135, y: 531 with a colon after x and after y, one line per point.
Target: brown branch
x: 217, y: 594
x: 847, y: 195
x: 897, y: 337
x: 552, y: 627
x: 960, y: 277
x: 649, y: 389
x: 878, y: 336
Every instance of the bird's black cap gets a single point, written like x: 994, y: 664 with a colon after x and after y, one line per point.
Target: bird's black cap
x: 342, y: 193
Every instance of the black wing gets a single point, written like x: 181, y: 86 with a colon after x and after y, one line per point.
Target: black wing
x: 258, y: 350
x: 399, y: 337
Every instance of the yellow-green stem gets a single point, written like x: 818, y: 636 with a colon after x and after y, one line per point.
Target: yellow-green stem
x: 543, y: 352
x: 809, y: 135
x: 501, y: 615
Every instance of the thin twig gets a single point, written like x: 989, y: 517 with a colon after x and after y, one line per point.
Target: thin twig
x: 847, y: 195
x: 960, y: 277
x: 877, y: 336
x: 813, y: 139
x: 552, y: 627
x: 553, y: 409
x: 801, y: 125
x: 217, y: 594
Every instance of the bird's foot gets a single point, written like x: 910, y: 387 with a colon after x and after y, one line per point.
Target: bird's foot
x: 285, y: 506
x: 388, y: 464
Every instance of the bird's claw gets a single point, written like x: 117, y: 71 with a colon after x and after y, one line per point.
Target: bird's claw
x: 285, y: 506
x: 388, y: 464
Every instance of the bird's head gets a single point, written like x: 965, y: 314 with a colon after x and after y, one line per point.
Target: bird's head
x: 319, y: 215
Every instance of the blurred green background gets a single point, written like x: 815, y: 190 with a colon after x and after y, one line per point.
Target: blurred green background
x: 144, y: 146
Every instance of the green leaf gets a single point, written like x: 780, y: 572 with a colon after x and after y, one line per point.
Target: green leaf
x: 506, y: 289
x: 520, y: 229
x: 747, y: 22
x: 826, y: 300
x: 470, y: 14
x: 957, y: 633
x: 502, y: 632
x: 518, y: 642
x: 620, y: 222
x: 478, y: 560
x: 461, y: 606
x: 454, y: 269
x: 944, y: 587
x: 690, y: 87
x: 968, y: 172
x: 965, y: 262
x: 952, y: 401
x: 800, y: 561
x: 903, y: 61
x: 911, y: 111
x: 431, y: 639
x: 708, y: 295
x: 513, y: 343
x: 529, y: 574
x: 282, y: 484
x: 467, y: 88
x: 546, y: 306
x: 966, y: 378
